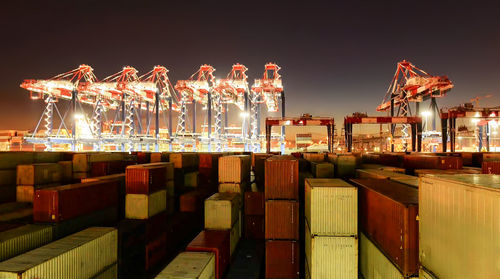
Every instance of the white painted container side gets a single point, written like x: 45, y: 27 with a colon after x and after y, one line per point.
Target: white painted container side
x: 81, y: 255
x: 189, y: 265
x: 460, y: 225
x: 331, y: 207
x: 21, y: 239
x: 374, y: 264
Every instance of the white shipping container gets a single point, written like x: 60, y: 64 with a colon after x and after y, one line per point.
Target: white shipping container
x: 460, y: 225
x: 234, y: 169
x: 21, y: 239
x: 374, y: 264
x: 222, y: 211
x: 190, y: 265
x: 333, y: 257
x: 139, y: 206
x: 79, y: 256
x: 331, y: 207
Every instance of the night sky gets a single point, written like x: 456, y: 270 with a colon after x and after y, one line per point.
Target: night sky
x: 336, y: 58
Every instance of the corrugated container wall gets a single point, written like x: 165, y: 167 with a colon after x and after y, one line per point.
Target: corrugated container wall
x: 222, y: 210
x: 331, y: 207
x: 331, y: 256
x: 19, y: 240
x: 374, y: 264
x: 234, y: 169
x: 144, y: 206
x: 93, y: 249
x: 282, y: 219
x: 460, y: 225
x: 282, y: 178
x: 282, y: 259
x: 189, y: 265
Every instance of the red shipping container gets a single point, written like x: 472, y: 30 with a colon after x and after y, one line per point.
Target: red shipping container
x: 191, y: 202
x: 61, y: 203
x: 209, y: 160
x: 282, y: 178
x: 156, y: 251
x: 432, y: 162
x: 491, y: 167
x: 388, y: 215
x: 282, y: 259
x: 217, y: 242
x: 254, y: 227
x: 254, y: 203
x: 282, y: 219
x: 145, y: 179
x: 98, y: 169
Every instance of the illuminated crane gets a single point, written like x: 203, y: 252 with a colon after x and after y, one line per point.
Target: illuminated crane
x: 198, y: 89
x: 234, y: 90
x: 411, y: 84
x: 64, y: 86
x: 267, y: 90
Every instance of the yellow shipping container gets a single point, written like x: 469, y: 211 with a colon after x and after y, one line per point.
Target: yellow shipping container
x: 184, y: 160
x: 38, y: 174
x: 9, y: 159
x: 234, y: 169
x: 190, y: 265
x: 425, y: 274
x: 222, y: 211
x: 110, y: 273
x: 138, y: 206
x: 331, y: 207
x: 322, y: 170
x: 235, y: 235
x: 460, y: 225
x: 314, y: 157
x: 331, y: 256
x: 239, y: 188
x: 81, y: 255
x: 21, y: 239
x: 374, y: 264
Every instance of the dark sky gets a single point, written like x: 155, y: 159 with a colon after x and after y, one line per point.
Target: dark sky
x: 336, y: 58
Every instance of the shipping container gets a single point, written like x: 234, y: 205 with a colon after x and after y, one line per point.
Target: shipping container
x: 411, y: 181
x: 331, y: 256
x: 374, y: 264
x: 234, y: 169
x: 331, y: 207
x: 345, y: 166
x: 282, y: 178
x: 491, y: 157
x: 222, y: 211
x: 14, y: 211
x: 254, y: 203
x: 120, y: 179
x: 145, y: 179
x: 388, y: 215
x: 26, y: 193
x: 10, y: 160
x: 282, y: 219
x: 190, y: 265
x: 235, y: 235
x: 191, y: 179
x: 93, y: 249
x: 217, y: 242
x: 322, y: 170
x: 209, y: 160
x: 184, y: 160
x: 239, y: 188
x: 282, y: 259
x: 248, y: 260
x: 66, y: 171
x: 100, y: 218
x: 8, y: 177
x: 138, y: 206
x: 47, y: 157
x: 425, y: 274
x: 460, y: 225
x: 18, y: 240
x: 412, y: 162
x: 169, y: 167
x: 465, y: 170
x: 314, y: 157
x: 491, y: 167
x: 155, y: 251
x: 191, y: 202
x: 110, y: 272
x: 254, y: 226
x: 259, y: 169
x: 60, y: 203
x: 82, y: 161
x: 38, y: 174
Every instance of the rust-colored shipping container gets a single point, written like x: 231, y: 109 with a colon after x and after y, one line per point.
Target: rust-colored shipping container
x: 264, y: 156
x: 254, y: 203
x: 254, y: 227
x: 156, y: 251
x: 209, y: 160
x: 61, y: 203
x: 282, y: 178
x: 388, y: 214
x: 217, y: 242
x: 491, y: 167
x: 282, y: 219
x: 191, y: 202
x: 282, y: 259
x: 432, y: 162
x: 145, y: 179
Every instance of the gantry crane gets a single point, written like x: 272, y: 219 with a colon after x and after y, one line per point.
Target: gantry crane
x: 198, y: 89
x: 411, y: 84
x: 64, y: 86
x: 234, y: 90
x: 268, y: 90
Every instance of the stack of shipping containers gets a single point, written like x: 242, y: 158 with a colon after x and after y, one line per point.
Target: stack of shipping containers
x: 282, y: 217
x: 331, y: 229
